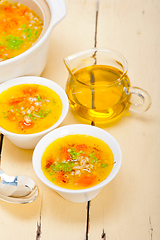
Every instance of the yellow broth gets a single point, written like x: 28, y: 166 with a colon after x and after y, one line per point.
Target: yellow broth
x: 29, y: 108
x: 77, y: 161
x: 20, y: 27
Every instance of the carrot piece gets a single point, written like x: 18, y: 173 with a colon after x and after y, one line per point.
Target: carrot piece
x: 61, y: 177
x: 66, y: 154
x: 12, y: 117
x: 15, y: 100
x: 23, y: 11
x: 83, y: 155
x: 12, y: 24
x: 2, y: 48
x: 98, y: 156
x: 27, y: 104
x: 81, y: 147
x: 24, y: 125
x: 86, y: 180
x: 29, y: 90
x: 8, y: 9
x: 49, y: 162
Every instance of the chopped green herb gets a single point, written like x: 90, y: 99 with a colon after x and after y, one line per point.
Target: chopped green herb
x: 62, y: 166
x: 39, y: 98
x: 104, y: 165
x: 13, y: 42
x: 75, y: 154
x: 42, y: 114
x: 32, y: 117
x: 92, y: 155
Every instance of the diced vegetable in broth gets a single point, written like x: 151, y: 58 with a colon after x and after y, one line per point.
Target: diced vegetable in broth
x: 29, y: 108
x: 77, y: 161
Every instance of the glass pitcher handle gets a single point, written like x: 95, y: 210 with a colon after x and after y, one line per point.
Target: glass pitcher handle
x: 145, y: 97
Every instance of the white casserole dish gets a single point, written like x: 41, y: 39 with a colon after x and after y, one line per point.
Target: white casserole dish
x: 32, y: 62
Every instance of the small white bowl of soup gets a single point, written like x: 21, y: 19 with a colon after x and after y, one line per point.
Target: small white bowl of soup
x: 77, y: 161
x: 30, y: 107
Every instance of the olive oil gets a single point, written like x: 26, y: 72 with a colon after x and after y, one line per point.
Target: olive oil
x: 98, y: 92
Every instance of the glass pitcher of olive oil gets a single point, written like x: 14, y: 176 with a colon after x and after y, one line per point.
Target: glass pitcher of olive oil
x: 98, y: 87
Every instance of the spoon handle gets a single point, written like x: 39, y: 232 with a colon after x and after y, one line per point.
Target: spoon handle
x: 1, y: 143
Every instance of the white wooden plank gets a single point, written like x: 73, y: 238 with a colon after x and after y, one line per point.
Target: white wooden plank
x: 128, y: 208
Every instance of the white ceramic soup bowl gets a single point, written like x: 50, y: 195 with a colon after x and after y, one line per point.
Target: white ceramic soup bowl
x: 29, y: 141
x: 84, y: 195
x: 32, y: 62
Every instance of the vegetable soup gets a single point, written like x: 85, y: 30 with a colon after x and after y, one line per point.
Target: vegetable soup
x: 20, y: 27
x: 77, y: 161
x: 29, y: 108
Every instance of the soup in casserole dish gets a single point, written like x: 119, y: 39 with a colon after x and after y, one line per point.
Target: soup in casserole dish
x: 20, y: 27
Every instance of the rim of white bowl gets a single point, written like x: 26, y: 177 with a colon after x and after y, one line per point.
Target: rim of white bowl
x: 41, y: 81
x: 68, y: 130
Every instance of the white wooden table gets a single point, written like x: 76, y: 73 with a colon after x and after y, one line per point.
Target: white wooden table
x: 128, y: 208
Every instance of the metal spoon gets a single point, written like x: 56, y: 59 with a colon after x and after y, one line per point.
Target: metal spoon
x: 16, y: 189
